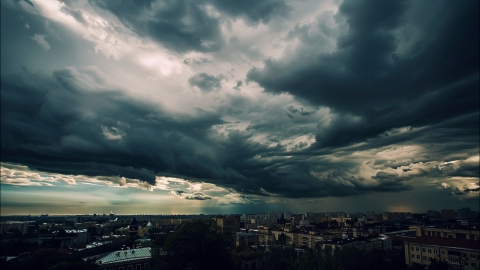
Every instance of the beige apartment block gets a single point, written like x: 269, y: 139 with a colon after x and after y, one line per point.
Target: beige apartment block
x: 302, y: 240
x: 446, y: 232
x: 460, y: 254
x: 228, y: 222
x: 22, y: 226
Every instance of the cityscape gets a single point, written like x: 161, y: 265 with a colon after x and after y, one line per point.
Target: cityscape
x: 243, y: 135
x: 404, y: 239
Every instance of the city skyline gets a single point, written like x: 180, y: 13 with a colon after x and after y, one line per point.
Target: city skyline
x: 224, y: 107
x: 465, y: 212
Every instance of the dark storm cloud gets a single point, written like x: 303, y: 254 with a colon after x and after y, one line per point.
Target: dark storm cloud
x: 370, y: 86
x: 302, y: 112
x: 416, y: 96
x: 206, y: 82
x: 199, y: 62
x: 179, y: 25
x: 337, y: 170
x: 75, y: 122
x: 64, y: 124
x: 191, y: 196
x: 239, y: 84
x: 473, y: 189
x: 186, y: 25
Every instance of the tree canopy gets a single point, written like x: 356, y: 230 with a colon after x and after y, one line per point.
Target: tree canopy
x: 197, y: 244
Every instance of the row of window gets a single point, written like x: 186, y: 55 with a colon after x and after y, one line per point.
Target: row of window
x: 466, y: 263
x: 423, y: 257
x: 435, y: 251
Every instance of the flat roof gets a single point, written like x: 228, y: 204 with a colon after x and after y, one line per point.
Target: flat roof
x: 446, y: 242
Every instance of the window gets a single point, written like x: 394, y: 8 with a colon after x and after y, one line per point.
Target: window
x: 130, y: 267
x: 443, y: 252
x: 139, y: 267
x: 435, y: 251
x: 412, y: 249
x: 413, y: 256
x: 418, y: 257
x: 429, y: 251
x: 423, y: 249
x: 465, y: 263
x: 418, y: 249
x: 424, y: 258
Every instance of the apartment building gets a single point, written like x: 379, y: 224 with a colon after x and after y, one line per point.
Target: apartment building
x: 382, y: 242
x: 461, y: 233
x: 64, y: 238
x: 246, y: 239
x: 228, y: 222
x: 460, y: 254
x: 303, y: 240
x: 396, y: 215
x: 22, y: 226
x: 341, y: 219
x: 338, y: 244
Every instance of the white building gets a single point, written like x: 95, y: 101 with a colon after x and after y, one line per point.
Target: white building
x: 382, y: 242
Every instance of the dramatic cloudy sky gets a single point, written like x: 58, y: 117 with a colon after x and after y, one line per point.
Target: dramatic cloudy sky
x: 223, y: 106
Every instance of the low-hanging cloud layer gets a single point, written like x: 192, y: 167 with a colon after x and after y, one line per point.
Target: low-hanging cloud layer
x: 243, y: 101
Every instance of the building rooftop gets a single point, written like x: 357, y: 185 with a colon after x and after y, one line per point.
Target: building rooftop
x: 247, y: 234
x: 122, y: 256
x: 340, y: 241
x: 446, y: 242
x: 134, y: 221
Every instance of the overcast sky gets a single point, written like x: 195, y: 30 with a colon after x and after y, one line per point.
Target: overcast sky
x: 222, y: 106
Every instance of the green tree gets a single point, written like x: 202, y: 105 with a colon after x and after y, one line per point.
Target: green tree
x: 330, y: 259
x: 197, y: 244
x: 245, y: 254
x: 51, y: 259
x: 308, y: 261
x: 15, y: 247
x: 158, y: 238
x: 278, y: 257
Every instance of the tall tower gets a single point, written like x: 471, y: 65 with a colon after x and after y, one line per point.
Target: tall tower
x: 133, y: 227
